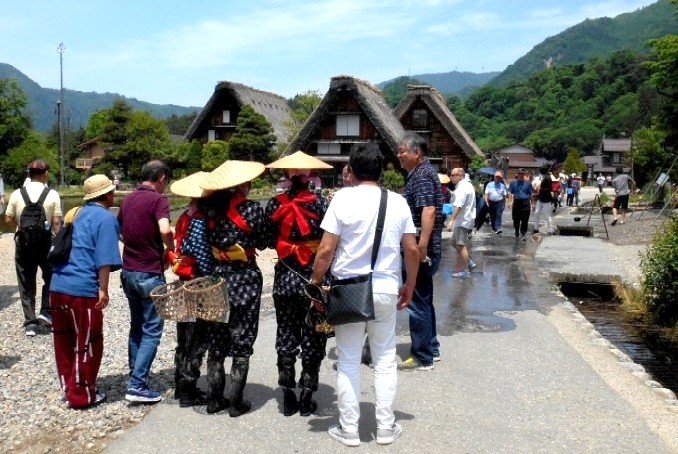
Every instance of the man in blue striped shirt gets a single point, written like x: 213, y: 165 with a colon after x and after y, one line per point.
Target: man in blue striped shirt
x: 424, y: 197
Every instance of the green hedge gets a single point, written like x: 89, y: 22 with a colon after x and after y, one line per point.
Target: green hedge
x: 659, y: 281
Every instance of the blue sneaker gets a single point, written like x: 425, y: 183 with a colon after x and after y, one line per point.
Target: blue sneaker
x: 471, y: 264
x: 142, y: 396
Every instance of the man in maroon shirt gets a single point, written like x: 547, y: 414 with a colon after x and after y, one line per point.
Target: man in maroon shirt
x: 144, y: 219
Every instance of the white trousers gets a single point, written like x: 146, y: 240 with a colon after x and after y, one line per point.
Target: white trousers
x: 543, y: 208
x: 350, y: 339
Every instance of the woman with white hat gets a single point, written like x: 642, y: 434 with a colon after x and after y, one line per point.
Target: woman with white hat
x: 236, y: 227
x: 295, y: 218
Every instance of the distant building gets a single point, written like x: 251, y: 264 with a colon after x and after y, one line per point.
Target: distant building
x: 424, y: 111
x: 611, y: 153
x: 352, y: 111
x: 93, y: 152
x: 217, y: 120
x: 520, y: 156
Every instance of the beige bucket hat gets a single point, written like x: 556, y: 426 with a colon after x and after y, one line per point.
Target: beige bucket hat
x: 231, y: 173
x: 97, y: 185
x: 190, y: 186
x: 298, y: 160
x: 444, y: 179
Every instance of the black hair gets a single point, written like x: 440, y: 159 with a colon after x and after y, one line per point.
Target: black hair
x: 35, y: 172
x: 154, y: 170
x: 414, y: 141
x: 366, y: 162
x: 620, y: 170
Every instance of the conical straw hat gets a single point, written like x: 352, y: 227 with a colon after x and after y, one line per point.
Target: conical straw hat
x: 231, y: 173
x: 190, y: 186
x: 298, y: 160
x: 444, y: 179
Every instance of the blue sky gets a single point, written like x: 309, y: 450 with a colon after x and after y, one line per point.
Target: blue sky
x: 174, y: 52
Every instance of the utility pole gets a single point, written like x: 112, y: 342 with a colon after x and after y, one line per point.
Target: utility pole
x: 60, y: 105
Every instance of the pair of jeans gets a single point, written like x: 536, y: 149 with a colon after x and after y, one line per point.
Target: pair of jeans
x: 423, y: 333
x: 381, y: 336
x: 145, y: 325
x: 496, y: 211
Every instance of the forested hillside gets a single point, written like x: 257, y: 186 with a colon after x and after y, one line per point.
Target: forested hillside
x: 457, y: 82
x: 78, y: 105
x: 565, y: 107
x: 595, y: 38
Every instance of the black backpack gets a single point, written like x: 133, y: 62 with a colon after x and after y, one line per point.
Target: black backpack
x: 34, y: 231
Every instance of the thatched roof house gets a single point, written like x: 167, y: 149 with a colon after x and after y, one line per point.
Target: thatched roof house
x: 352, y: 111
x: 424, y: 111
x: 217, y: 120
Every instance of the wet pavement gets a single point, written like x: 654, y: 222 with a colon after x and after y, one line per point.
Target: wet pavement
x: 518, y: 374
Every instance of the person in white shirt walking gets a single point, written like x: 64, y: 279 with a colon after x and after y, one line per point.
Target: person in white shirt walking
x: 495, y: 198
x: 462, y: 221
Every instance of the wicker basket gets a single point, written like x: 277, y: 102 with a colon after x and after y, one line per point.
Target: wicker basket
x: 170, y: 302
x: 208, y: 298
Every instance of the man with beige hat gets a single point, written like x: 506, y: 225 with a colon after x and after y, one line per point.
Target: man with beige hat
x: 79, y: 293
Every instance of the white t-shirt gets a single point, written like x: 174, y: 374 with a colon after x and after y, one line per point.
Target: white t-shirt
x: 496, y: 192
x: 465, y: 198
x: 352, y: 215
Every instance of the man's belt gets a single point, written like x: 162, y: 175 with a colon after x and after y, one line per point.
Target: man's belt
x: 233, y: 253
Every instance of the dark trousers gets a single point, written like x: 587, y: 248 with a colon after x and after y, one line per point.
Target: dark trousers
x: 521, y: 215
x: 294, y: 336
x: 496, y: 210
x: 27, y: 261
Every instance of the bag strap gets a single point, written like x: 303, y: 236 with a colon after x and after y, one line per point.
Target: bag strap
x: 380, y: 227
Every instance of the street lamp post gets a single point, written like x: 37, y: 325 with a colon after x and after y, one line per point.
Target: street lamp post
x: 60, y: 105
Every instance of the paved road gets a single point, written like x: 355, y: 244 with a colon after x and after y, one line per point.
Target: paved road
x: 519, y: 374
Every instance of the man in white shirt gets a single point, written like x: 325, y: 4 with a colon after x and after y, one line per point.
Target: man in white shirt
x: 30, y: 257
x: 462, y: 220
x: 349, y: 225
x: 495, y: 197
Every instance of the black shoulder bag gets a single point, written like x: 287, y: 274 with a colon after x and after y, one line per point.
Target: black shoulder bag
x: 60, y: 251
x: 350, y: 300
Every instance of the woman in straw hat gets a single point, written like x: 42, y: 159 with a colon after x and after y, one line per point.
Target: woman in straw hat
x: 79, y: 293
x: 192, y: 258
x: 236, y: 227
x: 294, y: 218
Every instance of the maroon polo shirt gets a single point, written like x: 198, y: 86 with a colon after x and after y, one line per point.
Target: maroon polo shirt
x: 138, y: 217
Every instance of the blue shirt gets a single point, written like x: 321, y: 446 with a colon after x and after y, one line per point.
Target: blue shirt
x: 422, y: 190
x: 95, y: 244
x: 521, y: 190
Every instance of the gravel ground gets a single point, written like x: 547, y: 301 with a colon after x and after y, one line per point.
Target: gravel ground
x: 36, y: 420
x: 34, y: 417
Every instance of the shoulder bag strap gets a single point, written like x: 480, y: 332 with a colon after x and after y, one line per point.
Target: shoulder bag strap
x: 43, y: 196
x: 380, y: 227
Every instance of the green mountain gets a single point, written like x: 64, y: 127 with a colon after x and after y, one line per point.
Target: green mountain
x: 42, y: 103
x: 595, y: 38
x: 458, y: 82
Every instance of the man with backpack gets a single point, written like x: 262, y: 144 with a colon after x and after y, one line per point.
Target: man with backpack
x: 35, y: 211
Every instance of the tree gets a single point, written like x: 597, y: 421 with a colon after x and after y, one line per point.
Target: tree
x: 302, y: 107
x: 253, y: 138
x: 477, y: 162
x: 214, y: 154
x: 18, y: 158
x: 647, y: 154
x: 179, y: 124
x: 130, y: 139
x: 15, y: 123
x: 573, y: 163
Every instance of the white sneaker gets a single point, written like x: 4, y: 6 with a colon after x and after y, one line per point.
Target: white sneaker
x: 346, y: 438
x: 388, y: 436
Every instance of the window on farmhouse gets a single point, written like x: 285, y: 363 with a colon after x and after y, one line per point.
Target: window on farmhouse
x: 226, y: 117
x: 348, y: 125
x: 211, y: 135
x: 329, y: 148
x: 420, y: 118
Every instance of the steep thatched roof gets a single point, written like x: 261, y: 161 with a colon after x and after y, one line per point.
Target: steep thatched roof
x: 273, y: 107
x: 436, y: 103
x: 371, y: 102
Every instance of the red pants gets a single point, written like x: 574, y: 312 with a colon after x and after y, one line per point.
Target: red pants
x: 78, y: 346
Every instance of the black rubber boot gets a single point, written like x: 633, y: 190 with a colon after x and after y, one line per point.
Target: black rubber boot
x: 239, y: 371
x: 290, y: 403
x: 308, y: 383
x: 216, y: 381
x: 306, y: 403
